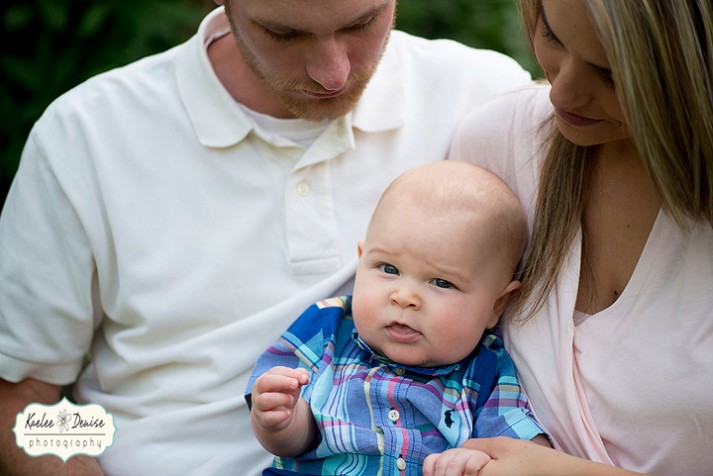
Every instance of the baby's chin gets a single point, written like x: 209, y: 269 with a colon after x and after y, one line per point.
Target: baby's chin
x: 406, y: 357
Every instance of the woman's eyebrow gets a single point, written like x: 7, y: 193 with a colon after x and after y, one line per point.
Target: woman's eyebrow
x: 547, y: 23
x: 603, y: 69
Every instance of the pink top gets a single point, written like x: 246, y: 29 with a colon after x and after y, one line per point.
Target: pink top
x: 631, y: 385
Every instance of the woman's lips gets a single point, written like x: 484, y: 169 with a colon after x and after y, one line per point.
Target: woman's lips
x: 575, y: 119
x: 402, y: 333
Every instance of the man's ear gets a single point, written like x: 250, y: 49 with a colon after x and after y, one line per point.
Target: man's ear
x: 360, y: 248
x: 502, y: 301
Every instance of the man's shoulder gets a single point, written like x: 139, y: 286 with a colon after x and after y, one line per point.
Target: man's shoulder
x: 428, y: 52
x: 140, y: 79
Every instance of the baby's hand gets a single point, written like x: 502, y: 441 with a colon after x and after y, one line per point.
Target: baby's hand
x: 275, y: 394
x: 455, y: 462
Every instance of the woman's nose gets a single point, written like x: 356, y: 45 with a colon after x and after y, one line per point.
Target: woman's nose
x: 571, y: 87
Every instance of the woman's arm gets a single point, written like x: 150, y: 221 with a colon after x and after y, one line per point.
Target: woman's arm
x: 526, y: 458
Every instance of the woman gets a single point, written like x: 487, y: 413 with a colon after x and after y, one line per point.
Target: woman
x: 613, y: 332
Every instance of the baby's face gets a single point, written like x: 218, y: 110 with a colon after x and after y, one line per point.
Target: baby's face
x: 426, y: 285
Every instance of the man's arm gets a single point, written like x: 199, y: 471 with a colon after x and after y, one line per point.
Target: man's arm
x: 13, y: 460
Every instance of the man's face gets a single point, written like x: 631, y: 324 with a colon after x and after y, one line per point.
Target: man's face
x: 316, y: 56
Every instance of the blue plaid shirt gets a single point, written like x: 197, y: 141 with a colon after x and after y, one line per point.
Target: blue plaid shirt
x: 376, y: 416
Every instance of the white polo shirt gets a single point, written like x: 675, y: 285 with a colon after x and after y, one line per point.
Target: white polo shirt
x: 153, y: 224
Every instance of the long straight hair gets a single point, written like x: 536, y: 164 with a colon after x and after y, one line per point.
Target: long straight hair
x: 660, y: 55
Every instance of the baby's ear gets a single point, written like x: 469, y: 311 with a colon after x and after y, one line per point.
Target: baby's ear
x: 360, y: 248
x: 502, y: 301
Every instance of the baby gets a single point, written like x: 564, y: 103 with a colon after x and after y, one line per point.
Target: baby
x: 410, y: 364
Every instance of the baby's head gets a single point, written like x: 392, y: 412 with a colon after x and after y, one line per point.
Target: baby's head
x: 436, y: 267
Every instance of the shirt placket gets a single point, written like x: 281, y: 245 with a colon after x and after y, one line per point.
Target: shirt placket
x: 313, y: 240
x: 390, y: 416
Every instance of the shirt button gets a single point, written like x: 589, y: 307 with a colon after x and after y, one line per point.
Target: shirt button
x: 399, y: 371
x: 394, y: 415
x: 302, y: 189
x: 401, y: 464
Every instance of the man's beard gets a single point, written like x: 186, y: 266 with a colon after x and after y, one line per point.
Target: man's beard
x: 313, y: 109
x: 289, y: 91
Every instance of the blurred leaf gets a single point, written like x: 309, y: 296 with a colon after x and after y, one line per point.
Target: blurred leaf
x: 16, y: 17
x: 93, y: 20
x: 54, y: 13
x: 19, y: 70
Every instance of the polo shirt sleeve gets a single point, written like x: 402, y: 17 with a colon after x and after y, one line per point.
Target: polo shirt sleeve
x: 48, y: 286
x: 502, y: 408
x: 304, y: 344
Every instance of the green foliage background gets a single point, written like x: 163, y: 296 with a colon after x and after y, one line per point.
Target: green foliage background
x: 49, y: 46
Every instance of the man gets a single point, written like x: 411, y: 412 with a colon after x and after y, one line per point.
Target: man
x: 168, y: 218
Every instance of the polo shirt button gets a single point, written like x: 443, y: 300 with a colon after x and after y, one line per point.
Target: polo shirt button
x: 401, y: 464
x: 394, y: 415
x: 399, y: 371
x: 302, y: 189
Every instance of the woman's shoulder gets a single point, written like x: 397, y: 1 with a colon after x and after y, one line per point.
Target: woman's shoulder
x: 520, y: 107
x: 506, y: 131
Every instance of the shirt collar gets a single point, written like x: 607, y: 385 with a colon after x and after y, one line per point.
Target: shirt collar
x: 426, y: 371
x: 219, y: 122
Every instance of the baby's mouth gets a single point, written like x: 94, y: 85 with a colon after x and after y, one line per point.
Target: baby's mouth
x: 402, y: 333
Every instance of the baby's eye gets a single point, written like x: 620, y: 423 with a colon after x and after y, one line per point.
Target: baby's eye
x: 442, y: 283
x: 389, y: 269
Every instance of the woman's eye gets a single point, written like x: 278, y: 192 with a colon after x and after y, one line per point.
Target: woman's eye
x: 608, y: 80
x: 389, y: 269
x: 442, y: 283
x: 549, y: 36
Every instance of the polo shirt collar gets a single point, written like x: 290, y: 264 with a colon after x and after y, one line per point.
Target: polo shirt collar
x: 219, y: 122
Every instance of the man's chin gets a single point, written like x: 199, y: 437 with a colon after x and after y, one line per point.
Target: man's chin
x: 325, y: 109
x: 322, y: 109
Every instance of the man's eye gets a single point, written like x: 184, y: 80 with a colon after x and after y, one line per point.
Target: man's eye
x: 286, y: 36
x: 389, y: 269
x: 363, y: 25
x: 442, y: 283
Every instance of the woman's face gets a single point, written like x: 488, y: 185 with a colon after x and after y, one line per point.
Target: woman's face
x: 583, y: 93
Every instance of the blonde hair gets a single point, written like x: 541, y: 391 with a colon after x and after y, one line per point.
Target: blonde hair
x: 661, y: 56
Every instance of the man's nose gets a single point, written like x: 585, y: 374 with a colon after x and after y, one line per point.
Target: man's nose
x: 329, y: 64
